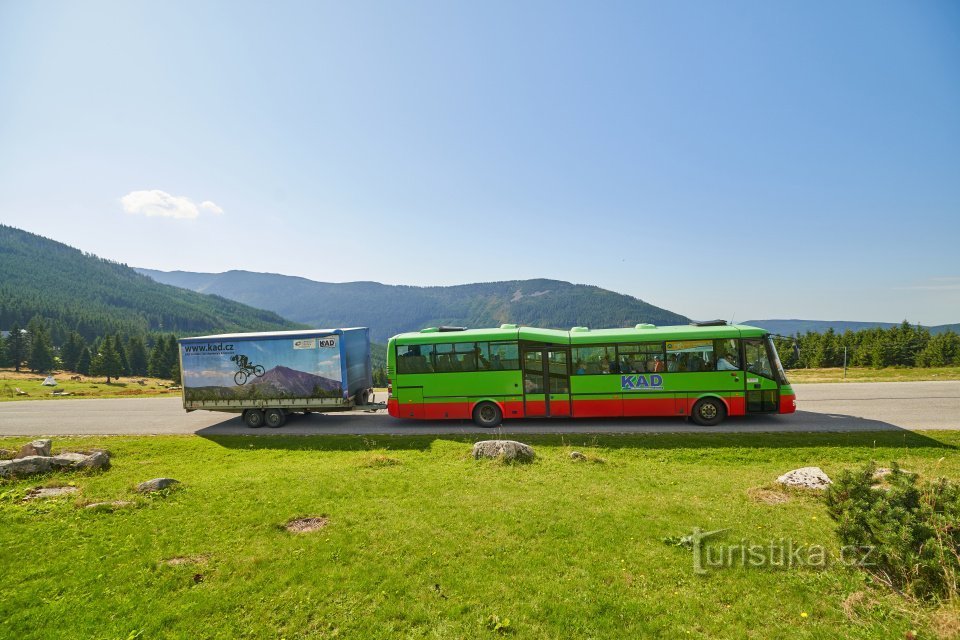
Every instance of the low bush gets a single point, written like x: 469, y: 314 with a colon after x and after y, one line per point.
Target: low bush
x: 913, y: 528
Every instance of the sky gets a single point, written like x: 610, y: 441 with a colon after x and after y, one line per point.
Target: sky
x: 736, y: 160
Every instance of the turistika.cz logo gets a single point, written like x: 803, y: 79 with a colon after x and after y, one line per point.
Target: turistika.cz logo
x: 781, y: 553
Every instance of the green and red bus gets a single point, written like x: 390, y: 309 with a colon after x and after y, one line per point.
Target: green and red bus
x: 705, y: 371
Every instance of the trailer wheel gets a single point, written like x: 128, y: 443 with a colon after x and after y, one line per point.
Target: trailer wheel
x: 274, y: 418
x: 487, y: 415
x: 362, y: 398
x: 708, y: 412
x: 253, y: 418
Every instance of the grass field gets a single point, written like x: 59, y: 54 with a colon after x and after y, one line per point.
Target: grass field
x: 863, y: 374
x: 423, y: 541
x: 86, y: 387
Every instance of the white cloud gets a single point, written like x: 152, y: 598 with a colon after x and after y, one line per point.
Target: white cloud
x: 154, y: 203
x: 212, y: 207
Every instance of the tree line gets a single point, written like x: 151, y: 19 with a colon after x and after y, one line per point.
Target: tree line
x: 904, y: 345
x: 112, y: 356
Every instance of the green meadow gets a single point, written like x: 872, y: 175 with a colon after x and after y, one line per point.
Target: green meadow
x: 422, y: 541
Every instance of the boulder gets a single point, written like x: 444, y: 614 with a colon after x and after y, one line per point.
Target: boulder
x: 806, y: 478
x: 157, y: 484
x: 506, y: 450
x: 576, y: 455
x: 25, y: 466
x: 48, y: 492
x: 35, y: 448
x: 70, y: 460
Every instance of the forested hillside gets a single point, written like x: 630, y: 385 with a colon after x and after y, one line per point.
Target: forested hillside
x: 392, y: 309
x: 76, y: 291
x: 61, y: 308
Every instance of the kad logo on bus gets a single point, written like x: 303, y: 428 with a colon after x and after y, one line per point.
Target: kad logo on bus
x: 641, y: 382
x: 327, y: 342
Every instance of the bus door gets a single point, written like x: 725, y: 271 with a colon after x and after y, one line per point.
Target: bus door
x: 546, y: 382
x: 762, y: 390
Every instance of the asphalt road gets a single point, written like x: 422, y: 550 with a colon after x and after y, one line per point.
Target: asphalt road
x: 821, y: 407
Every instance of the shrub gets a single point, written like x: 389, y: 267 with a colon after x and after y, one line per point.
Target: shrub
x: 913, y: 528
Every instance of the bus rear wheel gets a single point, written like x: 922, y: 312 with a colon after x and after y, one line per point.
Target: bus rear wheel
x: 274, y: 418
x: 708, y: 412
x: 487, y: 415
x: 253, y: 418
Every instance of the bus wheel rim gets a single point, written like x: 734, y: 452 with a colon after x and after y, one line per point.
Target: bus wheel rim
x: 708, y: 410
x: 487, y: 413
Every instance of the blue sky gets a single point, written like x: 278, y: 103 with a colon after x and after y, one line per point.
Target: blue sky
x: 734, y: 159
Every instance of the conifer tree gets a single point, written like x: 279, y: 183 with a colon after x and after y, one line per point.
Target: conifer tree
x: 158, y: 359
x: 84, y: 361
x: 107, y: 361
x: 137, y: 356
x: 122, y: 354
x: 70, y: 353
x: 17, y: 347
x: 41, y: 351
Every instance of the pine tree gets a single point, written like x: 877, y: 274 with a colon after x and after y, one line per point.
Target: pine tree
x: 107, y: 362
x: 4, y: 358
x: 171, y: 362
x: 70, y: 353
x: 18, y: 344
x: 158, y: 359
x: 941, y: 350
x: 41, y: 351
x: 137, y: 356
x: 122, y: 354
x: 84, y: 361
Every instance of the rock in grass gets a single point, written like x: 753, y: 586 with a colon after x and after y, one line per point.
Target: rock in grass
x: 48, y: 492
x: 806, y: 478
x: 157, y: 484
x: 576, y: 455
x: 506, y: 450
x: 70, y: 460
x: 35, y: 448
x: 25, y: 466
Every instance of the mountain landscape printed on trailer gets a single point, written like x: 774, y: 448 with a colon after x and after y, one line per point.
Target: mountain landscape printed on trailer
x: 274, y: 367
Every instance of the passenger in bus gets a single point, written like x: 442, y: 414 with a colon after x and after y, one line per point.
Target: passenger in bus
x: 605, y: 365
x: 727, y: 363
x: 581, y: 368
x: 482, y: 363
x: 657, y: 365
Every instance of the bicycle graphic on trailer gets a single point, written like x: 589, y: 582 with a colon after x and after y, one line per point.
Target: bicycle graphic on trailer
x: 247, y: 369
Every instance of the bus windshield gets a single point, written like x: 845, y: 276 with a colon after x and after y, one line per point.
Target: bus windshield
x: 775, y: 357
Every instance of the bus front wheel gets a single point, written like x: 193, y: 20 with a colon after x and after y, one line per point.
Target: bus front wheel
x: 708, y: 412
x: 487, y: 415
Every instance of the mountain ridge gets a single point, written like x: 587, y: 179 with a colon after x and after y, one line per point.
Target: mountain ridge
x: 391, y: 309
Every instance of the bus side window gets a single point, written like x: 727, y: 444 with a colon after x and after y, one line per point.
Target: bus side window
x: 414, y: 358
x: 594, y: 360
x: 690, y: 355
x: 482, y: 355
x: 504, y: 356
x: 443, y: 358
